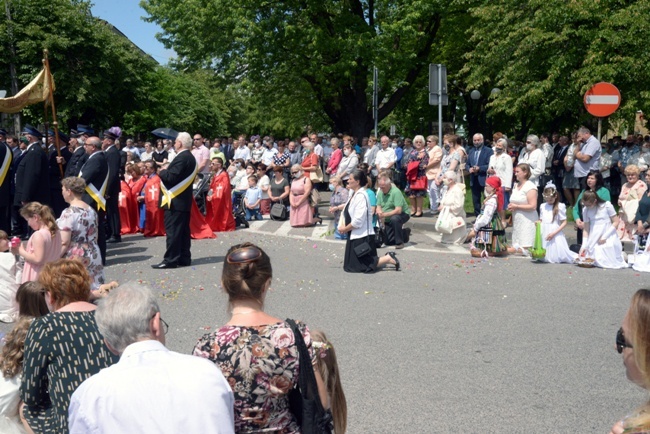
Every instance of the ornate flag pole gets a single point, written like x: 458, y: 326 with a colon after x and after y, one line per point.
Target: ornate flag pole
x: 55, y: 124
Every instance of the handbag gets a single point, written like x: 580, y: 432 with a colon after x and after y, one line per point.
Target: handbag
x: 630, y: 207
x: 304, y: 400
x: 443, y: 224
x: 314, y: 197
x: 317, y: 175
x: 278, y: 211
x: 418, y: 184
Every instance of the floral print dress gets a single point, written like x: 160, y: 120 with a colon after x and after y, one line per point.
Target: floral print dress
x: 82, y: 223
x: 261, y: 365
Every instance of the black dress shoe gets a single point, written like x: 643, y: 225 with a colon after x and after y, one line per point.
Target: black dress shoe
x: 164, y: 266
x: 394, y: 256
x: 113, y: 240
x: 184, y: 264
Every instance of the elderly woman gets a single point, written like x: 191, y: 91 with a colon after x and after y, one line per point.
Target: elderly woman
x: 348, y: 163
x: 360, y: 251
x: 62, y: 348
x: 454, y: 202
x: 536, y: 159
x: 523, y: 205
x: 500, y: 165
x: 255, y: 351
x: 301, y: 214
x: 337, y: 202
x: 633, y: 344
x: 45, y: 243
x: 596, y: 183
x: 628, y: 201
x: 416, y: 174
x: 311, y: 161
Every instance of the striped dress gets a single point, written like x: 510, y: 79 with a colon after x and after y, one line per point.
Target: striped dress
x: 62, y: 349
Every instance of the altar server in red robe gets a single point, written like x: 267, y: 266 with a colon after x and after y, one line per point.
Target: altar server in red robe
x: 154, y: 224
x: 219, y: 203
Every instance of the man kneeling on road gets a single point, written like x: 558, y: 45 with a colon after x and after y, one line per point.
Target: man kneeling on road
x: 151, y: 389
x: 393, y: 210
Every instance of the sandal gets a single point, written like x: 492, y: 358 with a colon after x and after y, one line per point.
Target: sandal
x: 394, y: 256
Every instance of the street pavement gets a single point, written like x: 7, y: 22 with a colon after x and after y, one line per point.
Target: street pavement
x: 449, y: 344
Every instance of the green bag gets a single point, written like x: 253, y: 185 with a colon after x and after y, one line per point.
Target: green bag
x: 538, y: 251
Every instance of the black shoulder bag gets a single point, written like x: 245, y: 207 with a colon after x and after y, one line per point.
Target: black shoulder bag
x: 304, y: 400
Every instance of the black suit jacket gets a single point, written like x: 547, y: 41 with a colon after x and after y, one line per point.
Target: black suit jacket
x: 76, y: 162
x: 33, y: 177
x: 113, y: 159
x: 558, y: 154
x: 5, y: 187
x: 55, y: 172
x: 94, y: 173
x: 179, y: 169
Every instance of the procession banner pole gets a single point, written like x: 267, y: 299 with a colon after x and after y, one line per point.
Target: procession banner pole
x: 55, y: 124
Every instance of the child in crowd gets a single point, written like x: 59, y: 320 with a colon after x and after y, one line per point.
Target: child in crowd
x: 30, y: 298
x: 252, y: 199
x: 552, y: 215
x: 11, y: 364
x: 9, y: 280
x: 488, y: 233
x: 329, y: 370
x: 600, y: 242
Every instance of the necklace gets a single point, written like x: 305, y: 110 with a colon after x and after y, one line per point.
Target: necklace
x: 246, y: 313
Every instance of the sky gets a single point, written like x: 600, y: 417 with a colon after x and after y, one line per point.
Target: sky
x: 126, y: 15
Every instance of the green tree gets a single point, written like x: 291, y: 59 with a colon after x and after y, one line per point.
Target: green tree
x: 321, y: 51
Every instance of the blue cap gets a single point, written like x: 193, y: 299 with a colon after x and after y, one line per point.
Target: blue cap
x: 63, y: 138
x: 85, y: 129
x: 32, y: 131
x: 3, y: 132
x: 75, y: 134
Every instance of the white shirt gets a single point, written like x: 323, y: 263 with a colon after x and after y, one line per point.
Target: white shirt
x: 243, y: 152
x: 361, y: 215
x: 385, y: 157
x: 537, y: 162
x: 318, y: 150
x: 267, y: 156
x: 153, y: 390
x: 502, y: 165
x: 146, y: 156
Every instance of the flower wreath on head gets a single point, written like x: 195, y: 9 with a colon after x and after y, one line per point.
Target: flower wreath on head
x: 321, y: 348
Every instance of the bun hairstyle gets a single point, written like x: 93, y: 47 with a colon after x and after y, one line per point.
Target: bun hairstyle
x: 244, y: 279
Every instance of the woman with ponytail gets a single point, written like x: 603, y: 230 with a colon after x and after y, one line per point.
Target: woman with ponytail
x: 255, y: 351
x: 45, y: 243
x: 329, y: 370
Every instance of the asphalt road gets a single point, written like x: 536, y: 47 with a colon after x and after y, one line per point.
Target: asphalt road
x: 449, y: 344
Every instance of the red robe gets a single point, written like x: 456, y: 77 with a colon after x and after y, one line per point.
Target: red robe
x: 136, y: 188
x: 154, y: 224
x: 128, y: 210
x: 199, y: 229
x: 218, y: 207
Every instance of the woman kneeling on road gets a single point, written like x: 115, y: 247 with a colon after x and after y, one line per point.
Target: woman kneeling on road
x: 360, y: 250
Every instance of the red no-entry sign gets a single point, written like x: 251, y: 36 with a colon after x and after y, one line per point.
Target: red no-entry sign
x: 602, y: 99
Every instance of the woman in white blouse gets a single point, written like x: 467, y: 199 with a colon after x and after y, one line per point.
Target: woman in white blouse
x: 500, y: 165
x: 360, y: 251
x: 348, y: 163
x: 535, y: 159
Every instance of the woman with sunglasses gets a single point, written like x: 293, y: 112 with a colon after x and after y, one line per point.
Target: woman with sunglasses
x: 256, y: 351
x: 360, y: 251
x: 633, y: 343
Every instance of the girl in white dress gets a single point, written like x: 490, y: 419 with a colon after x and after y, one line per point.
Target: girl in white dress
x: 600, y: 241
x: 553, y: 219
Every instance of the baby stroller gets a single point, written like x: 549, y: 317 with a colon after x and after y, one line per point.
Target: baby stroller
x: 239, y: 213
x: 200, y: 189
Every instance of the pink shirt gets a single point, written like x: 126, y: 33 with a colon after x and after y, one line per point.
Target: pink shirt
x: 202, y: 156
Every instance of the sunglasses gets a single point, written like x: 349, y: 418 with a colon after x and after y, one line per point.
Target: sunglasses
x: 244, y: 255
x: 621, y: 342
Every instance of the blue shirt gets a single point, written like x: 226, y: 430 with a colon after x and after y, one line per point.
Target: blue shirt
x: 253, y: 194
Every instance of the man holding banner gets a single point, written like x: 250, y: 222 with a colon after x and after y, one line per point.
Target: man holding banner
x: 95, y: 173
x: 176, y: 199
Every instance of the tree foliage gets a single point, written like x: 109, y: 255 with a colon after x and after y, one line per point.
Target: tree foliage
x: 545, y: 54
x: 321, y: 53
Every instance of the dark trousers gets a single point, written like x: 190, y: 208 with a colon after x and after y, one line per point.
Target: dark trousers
x: 18, y: 223
x: 583, y: 182
x: 557, y: 180
x: 177, y: 226
x: 394, y: 229
x: 5, y: 219
x: 477, y: 189
x: 113, y: 217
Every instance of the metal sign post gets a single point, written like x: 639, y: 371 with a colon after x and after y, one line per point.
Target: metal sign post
x: 438, y: 91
